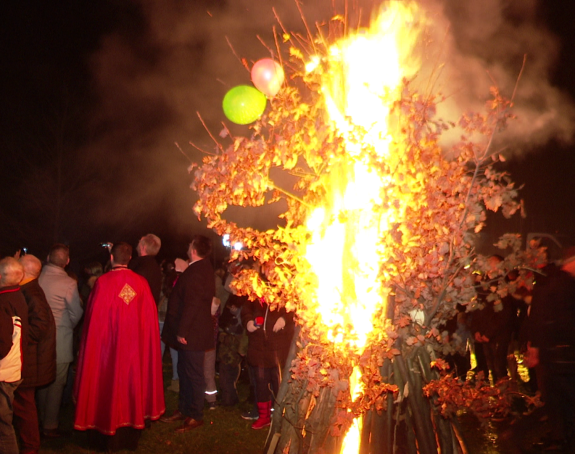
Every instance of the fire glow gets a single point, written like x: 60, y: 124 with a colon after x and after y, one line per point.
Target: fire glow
x: 360, y: 79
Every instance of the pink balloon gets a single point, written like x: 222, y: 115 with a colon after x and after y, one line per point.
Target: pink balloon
x: 268, y: 76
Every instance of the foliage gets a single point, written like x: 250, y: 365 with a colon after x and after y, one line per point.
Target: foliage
x: 429, y: 264
x: 478, y: 396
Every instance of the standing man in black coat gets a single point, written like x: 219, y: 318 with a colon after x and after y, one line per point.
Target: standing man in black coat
x: 39, y: 356
x: 549, y: 329
x: 188, y: 328
x: 147, y: 266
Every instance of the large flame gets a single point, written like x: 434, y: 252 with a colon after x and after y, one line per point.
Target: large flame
x: 363, y: 73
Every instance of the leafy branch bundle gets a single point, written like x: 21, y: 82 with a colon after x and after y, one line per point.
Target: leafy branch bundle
x: 427, y: 262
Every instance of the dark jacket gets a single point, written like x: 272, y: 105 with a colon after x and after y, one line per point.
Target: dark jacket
x: 189, y: 309
x: 40, y: 351
x: 266, y: 348
x: 148, y: 267
x: 551, y: 321
x: 498, y: 325
x: 12, y: 306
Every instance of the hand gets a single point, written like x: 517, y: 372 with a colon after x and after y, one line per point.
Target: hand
x: 180, y: 265
x: 251, y: 326
x: 182, y: 340
x: 279, y: 325
x: 478, y: 337
x: 215, y: 305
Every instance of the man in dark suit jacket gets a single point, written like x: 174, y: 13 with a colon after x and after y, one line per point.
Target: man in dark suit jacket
x: 188, y: 328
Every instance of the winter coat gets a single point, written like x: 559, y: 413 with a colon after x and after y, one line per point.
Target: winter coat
x: 13, y: 331
x: 40, y: 350
x: 266, y: 348
x: 148, y: 267
x: 496, y: 325
x: 550, y: 325
x: 62, y: 295
x: 189, y: 312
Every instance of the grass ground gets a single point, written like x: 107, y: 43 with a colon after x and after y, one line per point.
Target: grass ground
x: 225, y: 432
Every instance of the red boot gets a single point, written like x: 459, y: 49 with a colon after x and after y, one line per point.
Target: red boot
x: 264, y: 409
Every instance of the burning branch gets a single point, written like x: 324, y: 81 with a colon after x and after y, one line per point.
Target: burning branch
x: 384, y: 214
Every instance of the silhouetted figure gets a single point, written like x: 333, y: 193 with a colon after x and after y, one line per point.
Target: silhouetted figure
x: 39, y: 356
x: 551, y: 333
x: 64, y: 299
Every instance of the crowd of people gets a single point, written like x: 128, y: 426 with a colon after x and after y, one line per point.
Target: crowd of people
x: 114, y: 327
x: 537, y: 324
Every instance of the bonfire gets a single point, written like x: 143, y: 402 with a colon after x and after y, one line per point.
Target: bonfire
x: 375, y: 247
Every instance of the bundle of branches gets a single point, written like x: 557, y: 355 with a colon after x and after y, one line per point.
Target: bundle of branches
x: 429, y: 206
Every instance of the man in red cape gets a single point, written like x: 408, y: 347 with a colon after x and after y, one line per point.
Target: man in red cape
x: 119, y: 377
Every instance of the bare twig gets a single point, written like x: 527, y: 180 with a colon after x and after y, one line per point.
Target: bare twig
x: 210, y: 134
x: 265, y: 45
x: 431, y: 83
x: 199, y: 149
x: 519, y: 77
x: 241, y: 60
x: 182, y: 151
x: 310, y: 37
x: 279, y: 21
x: 279, y: 54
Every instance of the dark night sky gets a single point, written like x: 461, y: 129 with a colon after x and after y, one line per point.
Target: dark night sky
x: 95, y: 94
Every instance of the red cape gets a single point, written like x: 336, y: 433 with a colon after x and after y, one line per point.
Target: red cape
x: 119, y: 377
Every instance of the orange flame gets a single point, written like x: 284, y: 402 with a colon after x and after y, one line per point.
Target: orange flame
x: 363, y: 73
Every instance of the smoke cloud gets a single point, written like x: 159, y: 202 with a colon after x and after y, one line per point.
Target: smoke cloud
x: 154, y: 78
x: 507, y: 45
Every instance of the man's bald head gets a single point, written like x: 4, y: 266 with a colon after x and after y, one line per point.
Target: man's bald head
x: 59, y: 255
x: 11, y: 272
x: 32, y: 266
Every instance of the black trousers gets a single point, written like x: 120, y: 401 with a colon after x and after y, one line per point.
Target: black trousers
x: 229, y: 374
x: 267, y: 382
x: 192, y: 384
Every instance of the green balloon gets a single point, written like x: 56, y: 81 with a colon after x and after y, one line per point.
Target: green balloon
x: 244, y: 104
